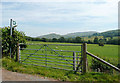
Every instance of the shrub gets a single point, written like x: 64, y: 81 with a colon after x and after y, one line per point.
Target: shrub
x: 118, y: 65
x: 100, y: 67
x: 101, y: 44
x: 7, y: 40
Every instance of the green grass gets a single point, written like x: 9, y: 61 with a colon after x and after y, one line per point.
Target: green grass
x: 61, y: 75
x: 62, y: 59
x: 107, y: 52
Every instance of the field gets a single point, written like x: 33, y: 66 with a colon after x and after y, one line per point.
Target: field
x: 108, y: 51
x: 46, y: 56
x: 92, y: 38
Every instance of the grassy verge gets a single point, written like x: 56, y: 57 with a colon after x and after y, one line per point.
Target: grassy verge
x: 61, y: 75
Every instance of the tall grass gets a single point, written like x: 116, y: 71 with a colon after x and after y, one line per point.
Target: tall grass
x: 61, y: 75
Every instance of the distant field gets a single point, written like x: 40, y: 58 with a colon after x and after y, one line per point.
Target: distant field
x: 99, y: 37
x: 110, y: 52
x: 92, y: 38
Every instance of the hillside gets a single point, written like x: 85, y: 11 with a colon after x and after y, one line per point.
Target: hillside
x: 70, y: 35
x: 110, y: 33
x: 81, y: 34
x: 50, y: 36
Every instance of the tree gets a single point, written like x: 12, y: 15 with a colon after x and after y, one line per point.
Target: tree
x: 28, y: 38
x: 44, y: 39
x: 101, y: 42
x: 37, y: 39
x: 61, y: 39
x: 54, y: 40
x: 69, y: 40
x: 7, y: 40
x: 78, y: 39
x: 96, y: 40
x: 89, y: 42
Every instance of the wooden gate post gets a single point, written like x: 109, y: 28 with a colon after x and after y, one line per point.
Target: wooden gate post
x: 84, y: 54
x: 74, y: 61
x: 17, y: 53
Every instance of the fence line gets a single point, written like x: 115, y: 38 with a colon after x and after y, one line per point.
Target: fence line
x: 52, y: 58
x: 46, y: 55
x: 103, y: 61
x: 75, y: 60
x: 50, y: 61
x: 53, y: 44
x: 48, y: 67
x: 50, y: 55
x: 50, y: 50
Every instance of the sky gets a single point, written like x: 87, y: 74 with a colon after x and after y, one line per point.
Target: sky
x: 40, y: 17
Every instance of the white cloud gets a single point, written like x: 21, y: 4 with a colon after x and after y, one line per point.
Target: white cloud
x: 0, y: 14
x: 89, y: 13
x: 59, y: 0
x: 64, y: 11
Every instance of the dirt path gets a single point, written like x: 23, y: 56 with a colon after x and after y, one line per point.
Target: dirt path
x: 14, y: 76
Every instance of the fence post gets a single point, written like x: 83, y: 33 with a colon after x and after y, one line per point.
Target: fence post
x: 78, y: 59
x: 84, y: 49
x: 74, y: 61
x: 17, y: 53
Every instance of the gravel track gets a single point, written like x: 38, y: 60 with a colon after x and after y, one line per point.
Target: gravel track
x: 14, y: 76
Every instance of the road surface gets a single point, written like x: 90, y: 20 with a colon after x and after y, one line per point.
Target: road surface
x: 14, y: 76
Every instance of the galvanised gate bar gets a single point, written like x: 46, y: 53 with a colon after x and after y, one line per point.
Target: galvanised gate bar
x: 59, y: 56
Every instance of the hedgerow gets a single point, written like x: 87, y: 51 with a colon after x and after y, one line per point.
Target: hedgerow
x: 7, y: 41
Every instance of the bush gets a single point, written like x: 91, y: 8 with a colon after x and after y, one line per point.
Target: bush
x: 118, y: 65
x: 100, y: 67
x: 101, y: 44
x: 7, y: 40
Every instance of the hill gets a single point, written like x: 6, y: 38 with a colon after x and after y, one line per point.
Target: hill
x: 110, y: 33
x: 50, y: 36
x: 81, y: 34
x: 70, y: 35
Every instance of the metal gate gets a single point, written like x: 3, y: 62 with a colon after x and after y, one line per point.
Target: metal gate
x: 59, y: 56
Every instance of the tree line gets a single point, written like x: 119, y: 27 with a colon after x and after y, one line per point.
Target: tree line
x: 78, y: 39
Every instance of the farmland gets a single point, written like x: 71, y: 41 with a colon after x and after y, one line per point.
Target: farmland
x: 107, y: 52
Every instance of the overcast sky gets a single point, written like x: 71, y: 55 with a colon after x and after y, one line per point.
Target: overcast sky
x: 40, y: 17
